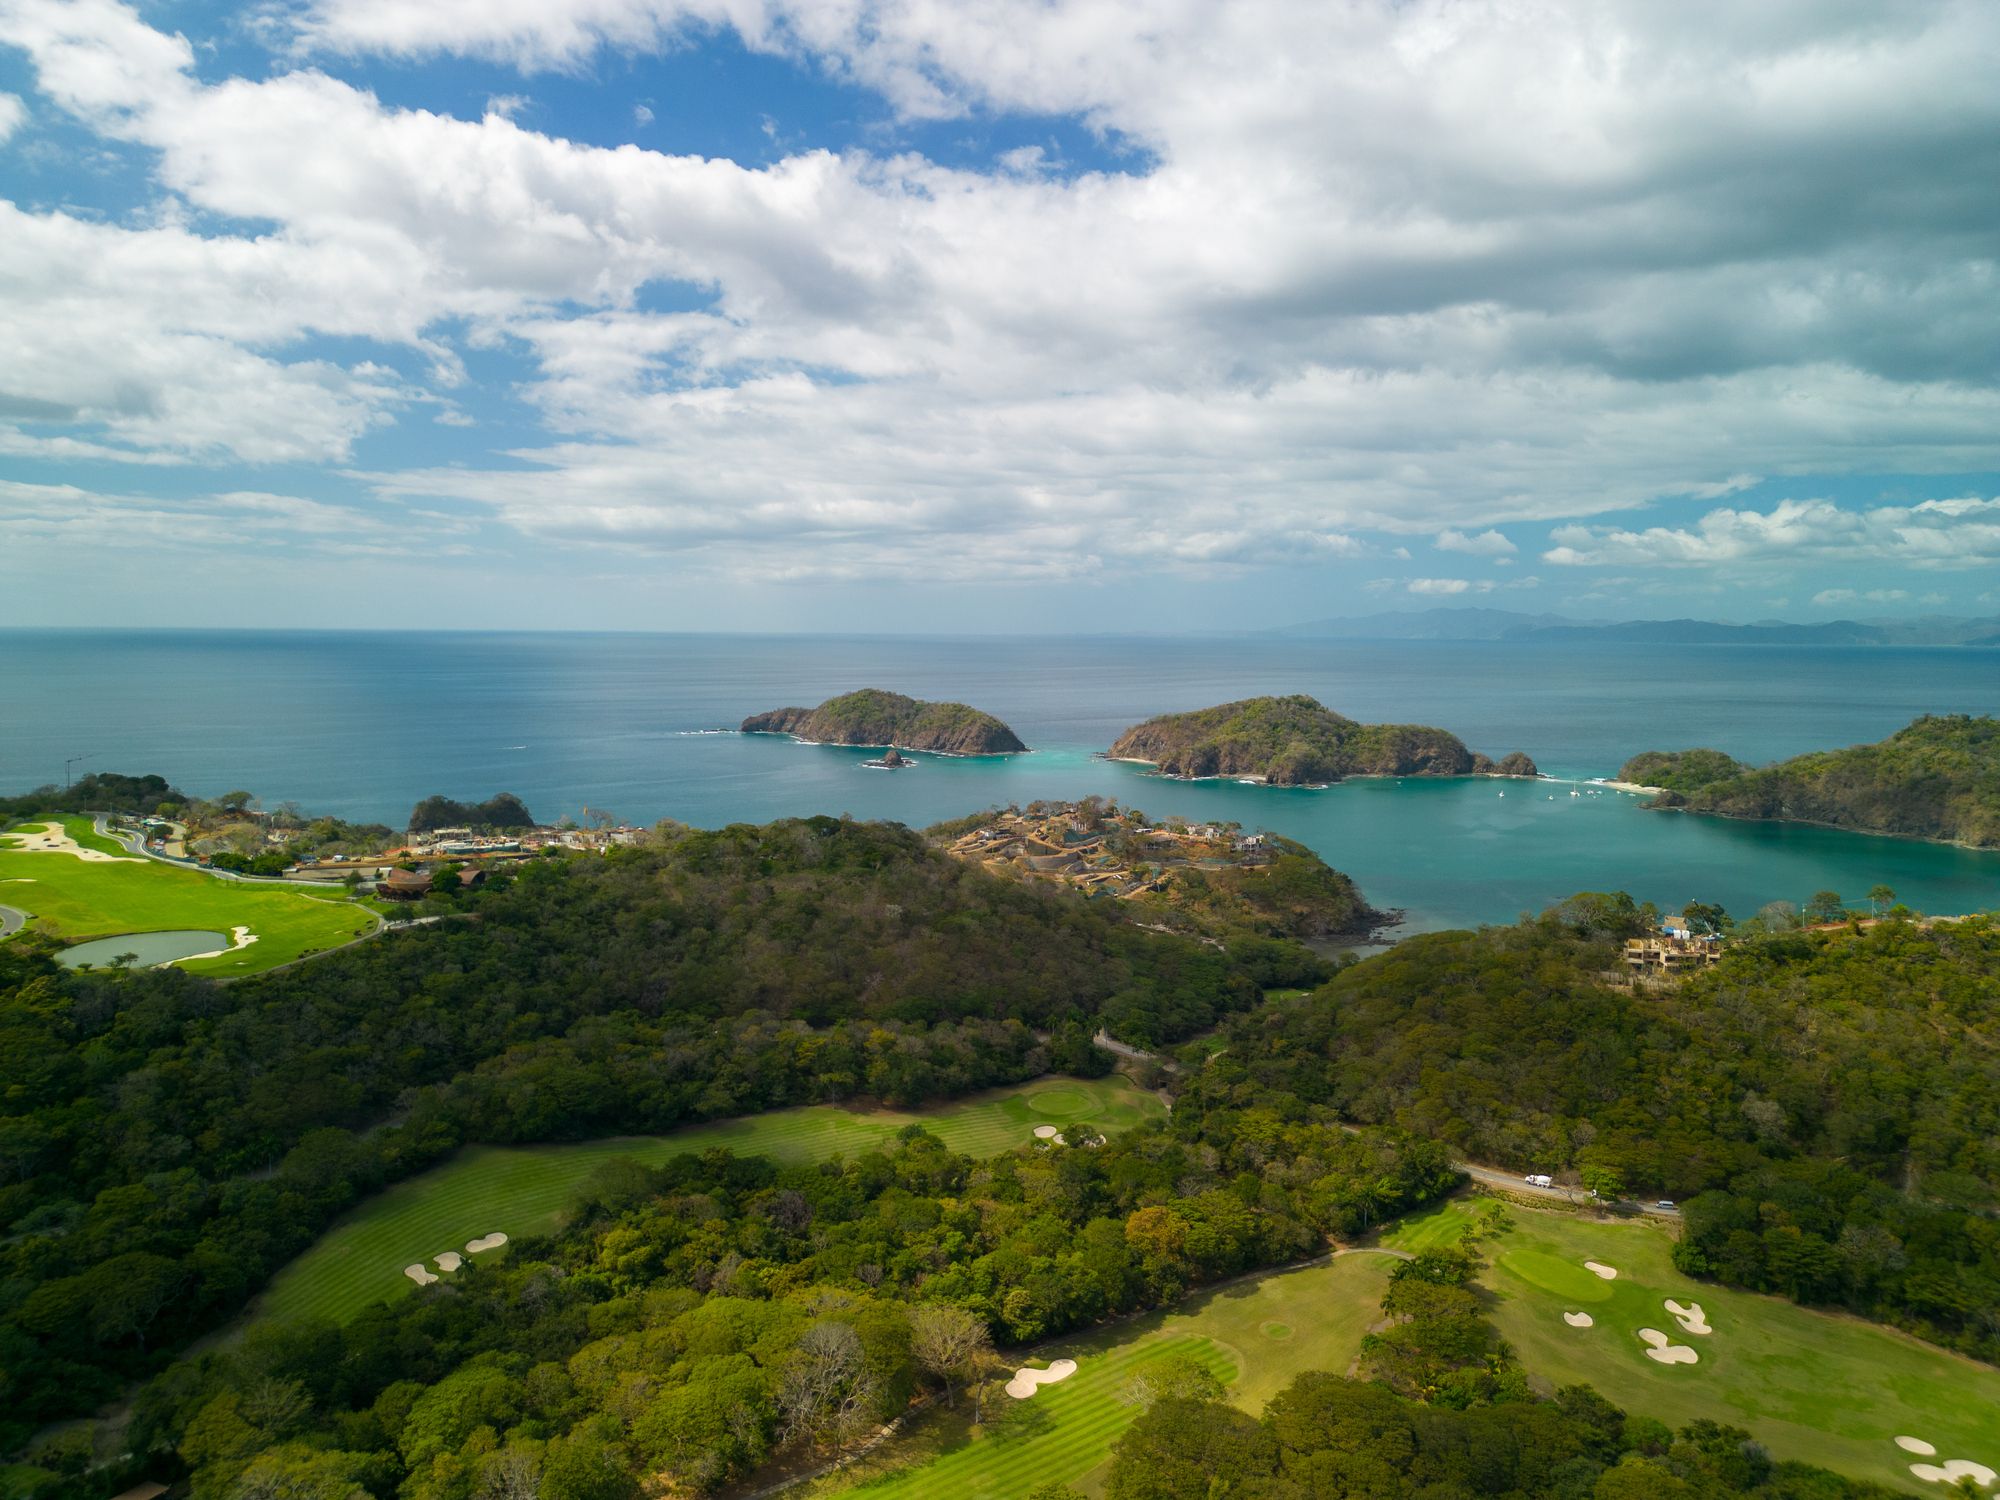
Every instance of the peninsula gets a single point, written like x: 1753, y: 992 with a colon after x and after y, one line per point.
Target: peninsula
x: 1938, y: 779
x: 873, y: 718
x: 1297, y: 741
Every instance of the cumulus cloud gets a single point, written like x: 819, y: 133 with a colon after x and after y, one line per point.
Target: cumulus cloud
x: 1439, y: 587
x: 1325, y: 296
x: 1961, y: 533
x: 1485, y: 544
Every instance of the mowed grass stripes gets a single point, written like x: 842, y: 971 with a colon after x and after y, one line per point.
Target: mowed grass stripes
x: 1059, y: 1434
x: 524, y: 1190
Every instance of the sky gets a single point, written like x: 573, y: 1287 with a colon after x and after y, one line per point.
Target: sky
x: 995, y: 315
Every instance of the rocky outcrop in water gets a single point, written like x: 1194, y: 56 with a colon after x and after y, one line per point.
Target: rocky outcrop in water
x: 872, y: 717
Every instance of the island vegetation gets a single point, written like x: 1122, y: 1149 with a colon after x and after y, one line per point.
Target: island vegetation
x: 1296, y: 741
x: 875, y: 719
x: 1939, y: 779
x: 501, y: 813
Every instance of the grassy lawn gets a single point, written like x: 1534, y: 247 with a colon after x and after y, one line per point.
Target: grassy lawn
x: 76, y: 900
x: 523, y: 1190
x: 1256, y: 1335
x: 1829, y: 1390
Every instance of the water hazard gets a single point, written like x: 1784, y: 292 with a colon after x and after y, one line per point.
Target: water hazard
x: 146, y: 948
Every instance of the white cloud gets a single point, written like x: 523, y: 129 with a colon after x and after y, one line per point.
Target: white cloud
x: 641, y: 115
x: 507, y: 106
x: 1332, y: 297
x: 1961, y: 533
x: 12, y: 114
x: 1485, y: 544
x: 1439, y: 586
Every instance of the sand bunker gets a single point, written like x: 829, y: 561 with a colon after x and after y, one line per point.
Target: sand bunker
x: 1045, y: 1132
x: 1665, y: 1350
x: 484, y: 1243
x: 53, y: 838
x: 419, y: 1275
x: 239, y: 937
x: 1578, y: 1320
x: 1953, y: 1470
x: 1691, y: 1318
x: 1025, y: 1380
x: 1598, y: 1268
x: 449, y: 1260
x: 1917, y: 1446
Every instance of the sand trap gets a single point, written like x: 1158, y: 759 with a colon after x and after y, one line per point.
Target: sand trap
x: 1579, y: 1320
x: 419, y: 1275
x: 1691, y: 1318
x: 484, y: 1243
x: 239, y: 937
x: 1598, y: 1268
x: 448, y: 1260
x: 53, y: 838
x: 1026, y: 1381
x: 1665, y: 1350
x: 1917, y: 1446
x: 1953, y: 1470
x: 1045, y: 1132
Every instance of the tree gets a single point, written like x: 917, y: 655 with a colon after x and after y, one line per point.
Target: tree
x: 1190, y: 1448
x: 1175, y: 1376
x: 825, y: 1391
x: 1705, y: 918
x: 1825, y: 908
x: 1607, y: 1183
x: 949, y: 1343
x: 1881, y: 897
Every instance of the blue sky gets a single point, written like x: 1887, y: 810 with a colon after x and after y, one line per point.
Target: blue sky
x: 1050, y: 315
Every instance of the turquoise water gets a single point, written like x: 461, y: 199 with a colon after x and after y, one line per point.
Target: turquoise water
x: 146, y: 948
x: 363, y: 724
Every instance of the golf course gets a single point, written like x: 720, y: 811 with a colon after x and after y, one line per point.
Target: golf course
x: 1256, y: 1335
x: 1827, y: 1389
x: 523, y: 1190
x: 75, y: 885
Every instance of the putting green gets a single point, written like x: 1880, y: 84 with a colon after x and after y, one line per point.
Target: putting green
x: 76, y: 899
x: 1066, y: 1436
x: 523, y: 1190
x: 1060, y: 1104
x: 1825, y: 1389
x: 1565, y: 1279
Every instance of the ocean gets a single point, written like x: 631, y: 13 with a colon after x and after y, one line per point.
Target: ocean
x: 362, y: 724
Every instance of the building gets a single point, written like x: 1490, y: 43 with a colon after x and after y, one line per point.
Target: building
x: 404, y: 885
x: 1673, y: 951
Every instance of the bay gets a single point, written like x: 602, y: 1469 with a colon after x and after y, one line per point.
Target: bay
x: 364, y: 723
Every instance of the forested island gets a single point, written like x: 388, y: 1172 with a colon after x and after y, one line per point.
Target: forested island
x: 1937, y: 779
x: 1296, y: 741
x: 874, y: 719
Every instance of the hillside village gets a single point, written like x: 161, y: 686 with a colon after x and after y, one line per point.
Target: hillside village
x: 1103, y: 849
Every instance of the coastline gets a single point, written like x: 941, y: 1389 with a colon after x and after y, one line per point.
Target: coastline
x: 1866, y: 833
x: 1250, y: 778
x: 1627, y: 786
x: 864, y: 745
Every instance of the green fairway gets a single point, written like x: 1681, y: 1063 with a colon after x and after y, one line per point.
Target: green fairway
x: 523, y: 1190
x: 76, y: 899
x: 1829, y: 1390
x: 1256, y: 1335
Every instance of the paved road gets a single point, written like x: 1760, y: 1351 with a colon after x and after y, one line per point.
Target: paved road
x: 11, y: 921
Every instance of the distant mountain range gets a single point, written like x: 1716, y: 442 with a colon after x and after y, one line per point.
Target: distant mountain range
x: 1474, y: 624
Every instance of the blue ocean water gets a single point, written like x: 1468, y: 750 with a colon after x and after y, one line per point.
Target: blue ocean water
x: 364, y: 723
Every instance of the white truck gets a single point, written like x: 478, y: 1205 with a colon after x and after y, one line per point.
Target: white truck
x: 1540, y: 1179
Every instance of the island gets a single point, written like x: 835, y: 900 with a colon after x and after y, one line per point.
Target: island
x: 1297, y: 741
x: 872, y: 718
x: 1937, y: 779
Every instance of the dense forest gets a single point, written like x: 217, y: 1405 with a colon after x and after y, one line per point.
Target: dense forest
x: 1680, y: 770
x: 689, y: 1320
x: 1937, y: 779
x: 874, y: 718
x: 1826, y: 1105
x: 166, y: 1141
x: 1297, y: 741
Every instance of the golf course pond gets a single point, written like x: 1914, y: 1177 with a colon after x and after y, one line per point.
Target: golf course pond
x: 146, y: 948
